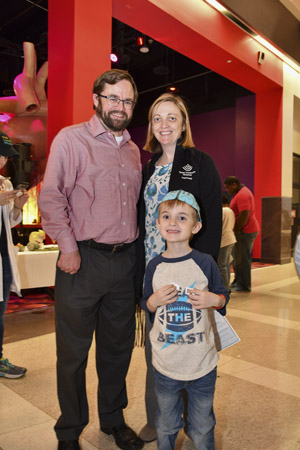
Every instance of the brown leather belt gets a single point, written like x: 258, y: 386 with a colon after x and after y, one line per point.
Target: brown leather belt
x: 111, y: 248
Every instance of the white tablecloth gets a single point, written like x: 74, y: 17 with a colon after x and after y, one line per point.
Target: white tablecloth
x: 37, y: 269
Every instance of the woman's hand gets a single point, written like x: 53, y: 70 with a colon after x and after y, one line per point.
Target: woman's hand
x: 163, y: 296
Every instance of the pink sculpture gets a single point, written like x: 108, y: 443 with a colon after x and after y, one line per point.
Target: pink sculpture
x: 24, y: 116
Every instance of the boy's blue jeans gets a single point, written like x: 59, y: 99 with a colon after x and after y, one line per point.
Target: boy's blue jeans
x: 201, y: 419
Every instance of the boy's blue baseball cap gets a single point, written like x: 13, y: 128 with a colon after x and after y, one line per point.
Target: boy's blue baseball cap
x: 183, y: 196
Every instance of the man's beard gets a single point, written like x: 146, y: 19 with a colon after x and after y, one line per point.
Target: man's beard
x: 111, y: 123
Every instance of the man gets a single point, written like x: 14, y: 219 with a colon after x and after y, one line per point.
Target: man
x: 227, y: 241
x: 88, y: 205
x: 246, y: 229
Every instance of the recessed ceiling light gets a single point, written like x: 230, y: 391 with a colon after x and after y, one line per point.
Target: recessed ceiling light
x: 113, y: 57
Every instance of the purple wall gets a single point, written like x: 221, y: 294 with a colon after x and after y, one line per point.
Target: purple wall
x: 227, y: 135
x: 245, y: 140
x: 214, y: 133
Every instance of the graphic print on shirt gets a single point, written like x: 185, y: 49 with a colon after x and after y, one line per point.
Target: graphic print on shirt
x: 178, y: 318
x: 187, y: 172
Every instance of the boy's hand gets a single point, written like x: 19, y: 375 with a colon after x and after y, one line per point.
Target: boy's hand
x: 163, y: 296
x: 204, y: 299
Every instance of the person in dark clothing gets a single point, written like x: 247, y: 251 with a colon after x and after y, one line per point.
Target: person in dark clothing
x: 11, y: 204
x: 246, y: 229
x: 176, y: 164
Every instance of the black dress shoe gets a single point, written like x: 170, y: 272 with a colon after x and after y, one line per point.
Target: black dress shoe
x: 124, y: 436
x: 68, y: 445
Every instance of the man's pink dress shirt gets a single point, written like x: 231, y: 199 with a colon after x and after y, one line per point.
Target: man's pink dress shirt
x: 91, y: 187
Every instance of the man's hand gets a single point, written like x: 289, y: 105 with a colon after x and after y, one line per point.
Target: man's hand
x: 242, y: 220
x: 69, y: 262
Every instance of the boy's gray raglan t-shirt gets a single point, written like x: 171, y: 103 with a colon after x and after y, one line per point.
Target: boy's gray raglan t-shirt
x: 182, y: 338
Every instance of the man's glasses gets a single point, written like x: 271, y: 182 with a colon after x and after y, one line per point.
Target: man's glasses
x: 114, y: 101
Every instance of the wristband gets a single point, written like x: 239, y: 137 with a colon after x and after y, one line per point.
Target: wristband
x: 223, y: 304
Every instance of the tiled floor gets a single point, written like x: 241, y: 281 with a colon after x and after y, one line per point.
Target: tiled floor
x: 257, y: 401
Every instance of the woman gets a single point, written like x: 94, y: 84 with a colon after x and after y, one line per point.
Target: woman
x: 176, y: 164
x: 11, y: 203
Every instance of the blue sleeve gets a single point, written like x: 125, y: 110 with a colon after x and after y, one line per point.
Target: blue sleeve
x: 212, y: 273
x: 148, y: 289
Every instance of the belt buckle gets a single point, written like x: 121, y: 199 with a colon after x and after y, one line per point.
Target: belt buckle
x: 116, y: 246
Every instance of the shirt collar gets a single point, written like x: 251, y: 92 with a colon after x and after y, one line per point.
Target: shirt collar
x: 98, y: 128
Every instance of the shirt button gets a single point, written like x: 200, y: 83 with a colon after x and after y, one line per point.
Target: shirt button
x: 124, y: 223
x: 124, y: 203
x: 123, y: 184
x: 122, y: 165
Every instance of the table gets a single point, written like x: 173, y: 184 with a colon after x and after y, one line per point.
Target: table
x: 37, y: 268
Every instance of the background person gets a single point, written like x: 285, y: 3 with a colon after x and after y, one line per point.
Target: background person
x: 296, y: 255
x: 246, y: 229
x: 89, y: 206
x: 11, y: 204
x: 181, y: 287
x: 227, y: 242
x: 176, y: 164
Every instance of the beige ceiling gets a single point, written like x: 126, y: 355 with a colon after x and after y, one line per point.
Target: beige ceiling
x: 293, y: 6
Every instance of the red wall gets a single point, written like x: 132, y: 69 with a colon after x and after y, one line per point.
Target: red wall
x: 79, y: 47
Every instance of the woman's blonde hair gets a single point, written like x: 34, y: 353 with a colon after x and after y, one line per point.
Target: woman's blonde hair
x: 152, y: 144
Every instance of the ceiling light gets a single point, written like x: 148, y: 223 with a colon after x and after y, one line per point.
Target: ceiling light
x: 140, y: 41
x: 173, y: 89
x: 142, y: 44
x: 216, y: 5
x: 113, y: 57
x: 144, y: 49
x: 277, y: 52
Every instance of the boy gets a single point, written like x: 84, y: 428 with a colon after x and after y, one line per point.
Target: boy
x: 227, y: 242
x: 182, y: 286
